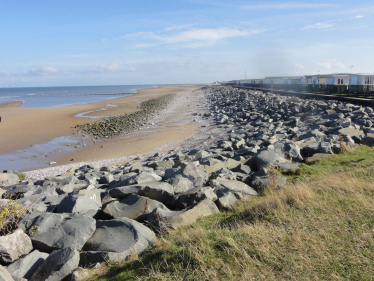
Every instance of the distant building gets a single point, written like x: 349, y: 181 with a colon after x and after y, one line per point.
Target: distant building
x: 294, y: 80
x: 307, y: 79
x: 362, y: 79
x: 320, y: 79
x: 338, y: 79
x: 274, y: 80
x: 255, y: 81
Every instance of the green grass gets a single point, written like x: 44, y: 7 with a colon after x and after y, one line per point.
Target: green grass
x: 319, y: 227
x: 22, y: 177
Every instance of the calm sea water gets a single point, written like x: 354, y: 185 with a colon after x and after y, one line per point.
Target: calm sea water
x: 63, y: 96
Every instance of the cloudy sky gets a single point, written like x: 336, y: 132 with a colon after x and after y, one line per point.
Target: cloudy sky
x: 119, y: 42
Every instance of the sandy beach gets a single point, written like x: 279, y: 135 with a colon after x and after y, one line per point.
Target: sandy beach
x: 24, y: 127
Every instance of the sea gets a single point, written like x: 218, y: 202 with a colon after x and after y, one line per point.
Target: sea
x: 64, y: 96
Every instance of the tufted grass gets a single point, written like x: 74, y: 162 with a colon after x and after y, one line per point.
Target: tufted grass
x: 319, y: 227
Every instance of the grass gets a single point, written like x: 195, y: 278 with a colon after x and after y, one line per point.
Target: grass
x: 319, y: 227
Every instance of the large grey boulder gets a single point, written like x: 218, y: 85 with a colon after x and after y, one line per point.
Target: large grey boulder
x: 87, y: 204
x: 8, y: 179
x: 52, y: 201
x: 368, y: 139
x: 240, y: 189
x: 78, y: 274
x: 191, y: 197
x: 313, y: 133
x: 63, y: 184
x: 288, y: 166
x: 226, y: 201
x: 18, y: 191
x: 26, y: 266
x: 352, y: 132
x: 182, y: 184
x: 165, y: 220
x: 288, y: 149
x: 160, y: 191
x: 133, y: 207
x: 142, y: 177
x: 116, y: 240
x: 187, y: 177
x: 259, y: 183
x: 229, y: 191
x: 58, y: 265
x: 57, y: 231
x: 268, y: 158
x: 14, y: 245
x: 317, y: 147
x: 244, y: 169
x: 5, y: 275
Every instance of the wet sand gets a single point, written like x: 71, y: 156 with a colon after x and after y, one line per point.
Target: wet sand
x: 23, y: 127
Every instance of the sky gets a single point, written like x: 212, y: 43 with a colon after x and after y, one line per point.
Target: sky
x: 120, y: 42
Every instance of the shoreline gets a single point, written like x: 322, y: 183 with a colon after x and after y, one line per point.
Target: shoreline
x: 122, y: 93
x: 41, y: 125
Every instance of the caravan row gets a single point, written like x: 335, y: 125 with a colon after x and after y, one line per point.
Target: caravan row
x: 328, y: 79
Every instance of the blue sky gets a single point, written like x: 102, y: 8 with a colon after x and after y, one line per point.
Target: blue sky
x: 113, y: 42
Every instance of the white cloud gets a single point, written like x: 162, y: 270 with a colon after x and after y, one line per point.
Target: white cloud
x: 206, y: 35
x: 299, y: 66
x: 138, y: 35
x: 40, y: 71
x: 178, y: 27
x: 110, y: 67
x: 319, y: 25
x: 358, y: 17
x: 332, y: 64
x: 192, y: 38
x: 4, y: 74
x: 289, y: 5
x: 44, y: 71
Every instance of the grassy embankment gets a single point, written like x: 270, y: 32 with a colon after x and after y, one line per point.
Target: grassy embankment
x: 319, y: 227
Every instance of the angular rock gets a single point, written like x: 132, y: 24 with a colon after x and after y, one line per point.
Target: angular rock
x: 165, y: 220
x: 160, y: 191
x: 18, y: 191
x: 317, y: 147
x: 144, y: 177
x: 288, y: 166
x: 268, y: 158
x: 242, y: 169
x: 5, y: 275
x: 14, y: 245
x: 288, y: 150
x: 191, y: 197
x: 352, y: 132
x: 368, y: 139
x: 133, y: 207
x: 58, y: 231
x: 8, y: 179
x: 116, y: 240
x: 58, y: 265
x: 181, y: 184
x: 260, y: 183
x: 224, y: 190
x: 187, y: 174
x: 78, y: 274
x: 87, y: 204
x: 26, y: 266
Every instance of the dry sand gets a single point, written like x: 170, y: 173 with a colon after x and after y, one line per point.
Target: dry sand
x: 22, y: 127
